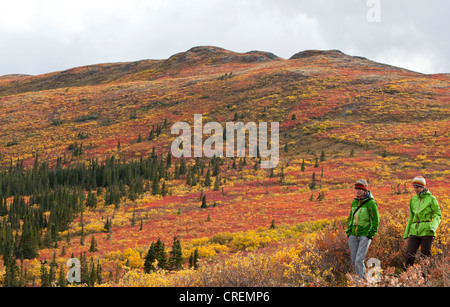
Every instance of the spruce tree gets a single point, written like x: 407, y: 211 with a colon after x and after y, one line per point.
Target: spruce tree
x: 92, y: 274
x: 322, y: 156
x: 207, y: 182
x: 157, y: 253
x: 62, y: 282
x: 139, y: 139
x: 99, y: 273
x: 52, y: 270
x: 204, y: 205
x: 191, y: 260
x: 28, y: 245
x: 313, y: 184
x: 45, y: 280
x: 93, y: 246
x: 217, y: 183
x: 84, y: 270
x: 160, y: 253
x: 150, y: 259
x: 12, y: 274
x: 195, y: 259
x: 91, y: 200
x: 164, y: 189
x: 155, y: 185
x: 107, y: 226
x: 272, y: 225
x: 133, y: 217
x: 176, y: 255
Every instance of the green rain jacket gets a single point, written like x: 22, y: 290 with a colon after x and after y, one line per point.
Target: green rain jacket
x: 424, y: 215
x: 364, y: 218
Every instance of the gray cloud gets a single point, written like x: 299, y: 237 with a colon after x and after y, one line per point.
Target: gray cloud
x: 49, y: 35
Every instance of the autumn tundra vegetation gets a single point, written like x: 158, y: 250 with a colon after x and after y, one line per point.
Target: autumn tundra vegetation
x: 87, y: 172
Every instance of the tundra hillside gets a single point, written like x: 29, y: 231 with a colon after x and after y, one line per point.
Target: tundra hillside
x: 87, y: 171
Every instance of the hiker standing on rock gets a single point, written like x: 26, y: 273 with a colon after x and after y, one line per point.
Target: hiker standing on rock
x: 424, y: 219
x: 363, y: 223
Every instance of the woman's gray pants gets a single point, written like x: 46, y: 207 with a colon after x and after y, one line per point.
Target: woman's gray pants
x: 358, y: 250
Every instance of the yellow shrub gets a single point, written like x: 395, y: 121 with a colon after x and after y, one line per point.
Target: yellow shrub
x: 251, y: 240
x: 129, y: 257
x: 137, y: 278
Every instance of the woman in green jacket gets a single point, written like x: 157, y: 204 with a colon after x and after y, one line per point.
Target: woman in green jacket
x: 363, y: 223
x: 424, y: 219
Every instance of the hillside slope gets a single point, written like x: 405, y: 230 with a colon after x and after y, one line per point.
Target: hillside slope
x: 341, y: 118
x: 311, y: 93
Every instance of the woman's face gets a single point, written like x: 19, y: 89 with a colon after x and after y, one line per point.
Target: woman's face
x: 360, y: 192
x: 418, y: 189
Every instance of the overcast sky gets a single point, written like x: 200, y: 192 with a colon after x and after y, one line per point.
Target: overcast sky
x: 40, y: 36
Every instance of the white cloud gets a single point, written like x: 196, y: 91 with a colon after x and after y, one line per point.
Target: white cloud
x: 48, y: 35
x: 15, y: 15
x: 412, y: 60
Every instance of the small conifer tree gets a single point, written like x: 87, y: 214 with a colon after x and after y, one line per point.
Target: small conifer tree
x: 204, y: 205
x: 93, y: 246
x: 176, y: 255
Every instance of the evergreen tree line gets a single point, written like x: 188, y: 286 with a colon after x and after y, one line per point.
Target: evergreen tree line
x: 16, y: 180
x: 39, y: 202
x: 26, y: 195
x: 36, y: 204
x: 114, y: 176
x: 90, y: 273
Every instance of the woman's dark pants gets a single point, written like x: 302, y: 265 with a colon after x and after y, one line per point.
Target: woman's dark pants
x: 413, y: 245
